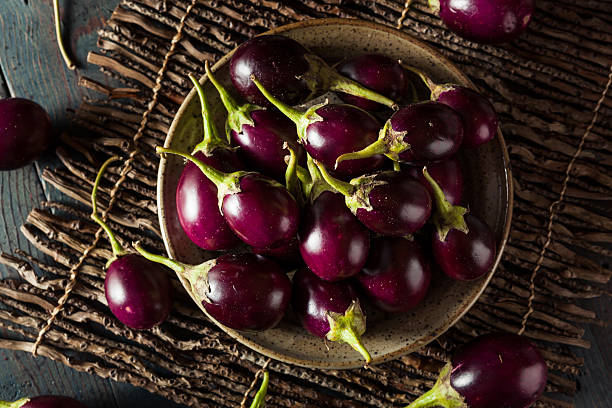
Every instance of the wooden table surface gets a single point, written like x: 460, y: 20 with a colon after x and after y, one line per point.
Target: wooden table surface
x: 31, y: 67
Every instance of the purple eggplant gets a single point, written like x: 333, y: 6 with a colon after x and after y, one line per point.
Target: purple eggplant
x: 390, y: 202
x: 485, y: 21
x: 138, y: 292
x: 260, y: 133
x: 329, y: 310
x: 494, y: 370
x: 43, y: 401
x: 480, y: 119
x: 196, y: 196
x: 447, y: 174
x: 241, y: 291
x: 333, y: 243
x: 379, y: 73
x: 258, y: 209
x: 327, y: 131
x: 25, y: 132
x: 397, y: 274
x: 290, y: 72
x: 417, y: 134
x: 463, y: 245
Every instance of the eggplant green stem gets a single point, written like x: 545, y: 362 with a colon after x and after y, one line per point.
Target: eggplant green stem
x: 343, y: 84
x: 397, y: 166
x: 317, y: 183
x: 348, y: 328
x: 390, y: 143
x: 115, y: 245
x: 442, y: 394
x: 295, y: 115
x: 291, y: 178
x: 16, y: 404
x: 446, y: 216
x: 211, y: 137
x: 58, y: 34
x: 344, y: 188
x: 176, y: 266
x: 237, y: 115
x: 378, y: 147
x: 259, y: 400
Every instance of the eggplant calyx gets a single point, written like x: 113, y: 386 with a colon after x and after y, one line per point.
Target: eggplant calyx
x: 438, y: 90
x: 348, y: 328
x: 16, y: 404
x: 442, y: 394
x: 308, y: 118
x: 318, y: 185
x: 361, y: 196
x: 446, y: 216
x: 292, y: 182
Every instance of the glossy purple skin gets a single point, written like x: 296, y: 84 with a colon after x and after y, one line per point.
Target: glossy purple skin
x: 312, y: 297
x: 261, y: 214
x: 247, y: 292
x: 25, y: 132
x: 397, y: 274
x: 344, y: 129
x: 479, y: 117
x: 487, y: 21
x: 277, y: 62
x: 333, y: 243
x: 466, y: 256
x: 378, y: 73
x: 287, y: 254
x: 197, y: 204
x: 52, y: 401
x: 399, y: 208
x: 499, y: 370
x: 434, y: 132
x: 261, y: 146
x: 139, y: 292
x: 448, y: 176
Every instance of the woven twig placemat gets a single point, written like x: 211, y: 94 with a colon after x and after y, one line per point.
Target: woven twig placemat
x: 550, y: 89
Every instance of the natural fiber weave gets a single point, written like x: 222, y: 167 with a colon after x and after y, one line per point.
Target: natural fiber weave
x: 546, y: 87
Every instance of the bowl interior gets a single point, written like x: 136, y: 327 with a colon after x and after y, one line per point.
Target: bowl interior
x: 487, y: 190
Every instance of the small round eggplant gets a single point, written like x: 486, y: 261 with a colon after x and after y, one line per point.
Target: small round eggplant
x: 138, y: 292
x: 43, y: 401
x: 417, y: 134
x: 196, y: 195
x: 258, y: 209
x: 329, y: 310
x: 25, y: 132
x: 290, y: 72
x: 241, y: 291
x: 328, y: 131
x: 390, y: 203
x: 463, y: 246
x: 493, y: 370
x: 379, y: 73
x: 485, y: 21
x: 260, y: 134
x: 447, y: 174
x: 397, y: 274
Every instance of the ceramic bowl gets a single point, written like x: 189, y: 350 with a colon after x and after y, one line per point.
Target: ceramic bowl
x: 488, y: 190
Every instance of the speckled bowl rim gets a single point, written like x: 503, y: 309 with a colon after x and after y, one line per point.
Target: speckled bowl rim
x: 452, y: 319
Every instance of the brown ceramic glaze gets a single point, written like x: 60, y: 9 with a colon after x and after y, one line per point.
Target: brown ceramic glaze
x: 487, y: 189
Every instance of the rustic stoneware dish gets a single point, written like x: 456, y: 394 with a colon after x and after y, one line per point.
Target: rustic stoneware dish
x: 488, y: 190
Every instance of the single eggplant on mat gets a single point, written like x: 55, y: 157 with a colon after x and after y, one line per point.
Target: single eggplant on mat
x: 332, y: 241
x: 485, y: 21
x: 329, y: 310
x: 259, y: 133
x: 390, y: 202
x: 290, y: 72
x: 259, y: 210
x: 417, y: 134
x: 138, y: 292
x: 397, y: 274
x: 25, y: 132
x: 327, y: 131
x: 44, y: 401
x: 480, y: 119
x: 463, y: 245
x: 499, y: 370
x: 379, y: 73
x: 241, y: 291
x: 196, y: 195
